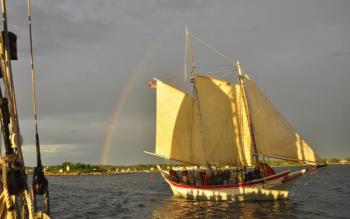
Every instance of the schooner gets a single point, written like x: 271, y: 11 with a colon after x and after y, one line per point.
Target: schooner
x: 224, y: 123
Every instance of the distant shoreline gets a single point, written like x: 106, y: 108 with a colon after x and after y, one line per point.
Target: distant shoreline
x: 67, y: 174
x: 95, y: 174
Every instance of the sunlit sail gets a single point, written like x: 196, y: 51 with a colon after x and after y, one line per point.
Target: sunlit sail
x: 274, y: 136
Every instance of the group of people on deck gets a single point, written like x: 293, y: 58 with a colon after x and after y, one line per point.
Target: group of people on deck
x: 221, y: 177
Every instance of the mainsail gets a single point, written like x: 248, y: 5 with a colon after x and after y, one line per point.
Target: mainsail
x: 212, y: 128
x: 226, y: 135
x: 273, y: 134
x: 177, y: 128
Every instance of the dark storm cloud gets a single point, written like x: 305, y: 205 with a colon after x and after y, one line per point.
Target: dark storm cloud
x: 86, y: 52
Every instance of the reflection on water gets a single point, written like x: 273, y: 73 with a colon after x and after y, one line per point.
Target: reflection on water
x: 180, y: 208
x: 322, y: 194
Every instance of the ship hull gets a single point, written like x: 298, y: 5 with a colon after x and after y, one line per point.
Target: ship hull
x: 270, y: 188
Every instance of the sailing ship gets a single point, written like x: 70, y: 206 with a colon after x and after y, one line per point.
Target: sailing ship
x: 17, y: 199
x: 226, y: 124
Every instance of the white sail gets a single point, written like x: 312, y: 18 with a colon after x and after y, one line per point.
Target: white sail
x: 273, y: 134
x: 225, y: 134
x: 177, y: 128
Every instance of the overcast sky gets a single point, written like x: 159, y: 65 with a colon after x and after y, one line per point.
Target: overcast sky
x: 95, y: 56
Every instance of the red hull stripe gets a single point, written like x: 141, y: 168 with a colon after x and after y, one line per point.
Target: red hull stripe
x: 232, y: 185
x: 289, y: 178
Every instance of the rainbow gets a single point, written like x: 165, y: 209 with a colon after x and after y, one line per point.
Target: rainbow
x: 121, y: 99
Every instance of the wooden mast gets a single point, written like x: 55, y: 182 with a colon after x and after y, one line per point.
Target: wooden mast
x: 195, y: 104
x: 18, y: 200
x: 244, y: 93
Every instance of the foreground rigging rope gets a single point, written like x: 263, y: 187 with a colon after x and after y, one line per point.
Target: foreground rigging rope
x: 14, y: 180
x: 40, y: 183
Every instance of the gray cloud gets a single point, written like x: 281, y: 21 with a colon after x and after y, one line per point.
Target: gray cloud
x: 86, y: 53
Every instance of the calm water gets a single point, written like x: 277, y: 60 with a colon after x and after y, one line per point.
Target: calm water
x: 322, y: 194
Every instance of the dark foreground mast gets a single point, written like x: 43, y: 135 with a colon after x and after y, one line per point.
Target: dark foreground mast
x: 16, y: 198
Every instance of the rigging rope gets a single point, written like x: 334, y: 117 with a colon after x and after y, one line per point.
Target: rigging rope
x: 8, y: 82
x: 196, y: 100
x: 211, y: 48
x: 33, y: 86
x: 186, y: 51
x: 215, y: 72
x: 213, y: 66
x: 0, y: 143
x: 14, y: 179
x: 40, y: 183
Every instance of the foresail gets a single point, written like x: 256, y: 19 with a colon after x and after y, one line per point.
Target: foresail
x: 273, y: 134
x: 226, y: 134
x: 177, y: 128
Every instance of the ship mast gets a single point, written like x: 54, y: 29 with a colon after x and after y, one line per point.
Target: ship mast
x: 8, y: 82
x: 15, y: 195
x: 195, y: 105
x: 244, y: 93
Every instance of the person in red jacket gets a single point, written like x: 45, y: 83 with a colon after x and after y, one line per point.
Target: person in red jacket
x: 268, y: 170
x: 173, y: 176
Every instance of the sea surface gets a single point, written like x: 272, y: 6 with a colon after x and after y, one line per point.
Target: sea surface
x: 321, y: 194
